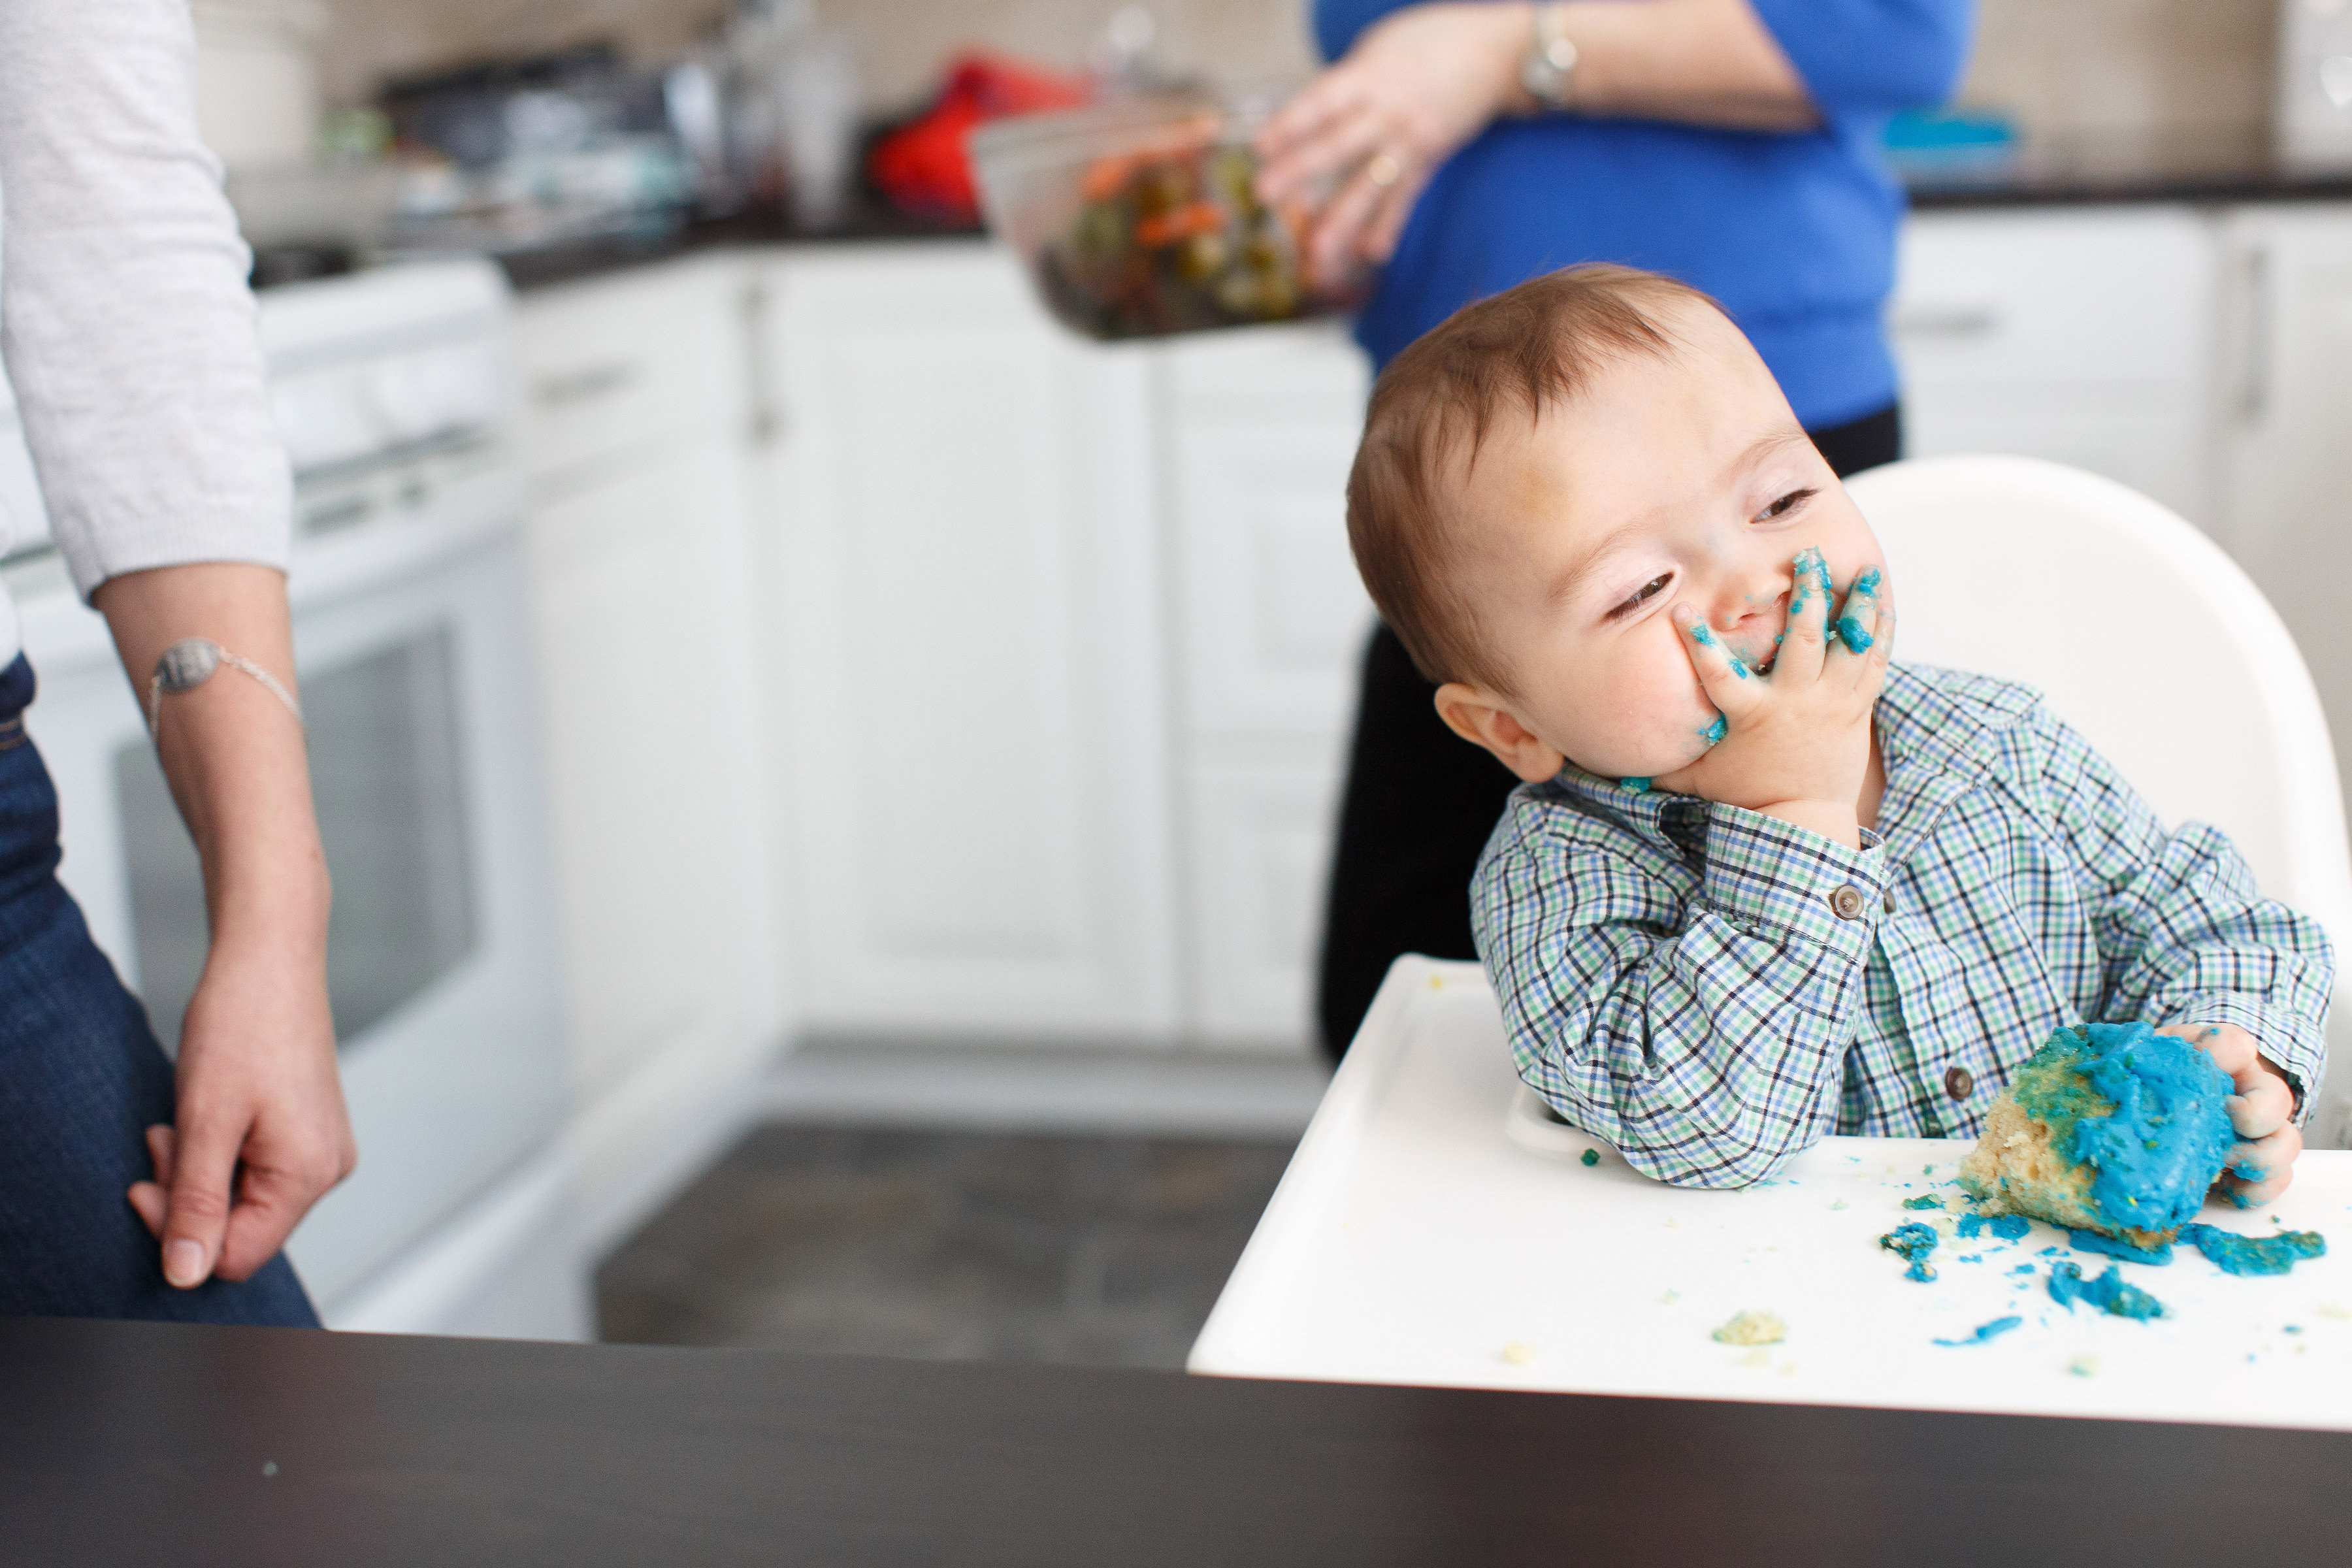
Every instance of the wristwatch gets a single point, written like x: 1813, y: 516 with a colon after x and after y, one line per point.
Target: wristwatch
x: 1548, y: 73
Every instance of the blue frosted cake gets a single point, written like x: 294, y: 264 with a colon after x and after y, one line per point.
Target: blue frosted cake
x: 2110, y: 1128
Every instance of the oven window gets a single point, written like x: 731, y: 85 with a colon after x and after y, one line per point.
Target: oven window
x: 388, y: 774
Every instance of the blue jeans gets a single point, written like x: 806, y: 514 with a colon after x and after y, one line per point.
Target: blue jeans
x: 81, y: 1079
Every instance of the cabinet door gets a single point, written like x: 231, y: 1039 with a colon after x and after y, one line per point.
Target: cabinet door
x: 960, y: 567
x: 638, y: 806
x: 2286, y: 422
x: 1271, y: 623
x: 2083, y: 337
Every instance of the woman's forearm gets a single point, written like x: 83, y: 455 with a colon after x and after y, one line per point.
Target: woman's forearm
x: 1702, y: 62
x: 233, y: 754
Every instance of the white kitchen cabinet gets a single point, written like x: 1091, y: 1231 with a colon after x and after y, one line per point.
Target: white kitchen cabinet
x: 959, y: 567
x: 1261, y: 428
x: 2085, y: 336
x: 2285, y: 424
x: 636, y: 397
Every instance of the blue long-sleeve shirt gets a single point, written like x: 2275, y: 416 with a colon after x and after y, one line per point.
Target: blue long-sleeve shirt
x: 1793, y: 231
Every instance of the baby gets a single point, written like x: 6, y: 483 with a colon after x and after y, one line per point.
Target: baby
x: 1762, y: 884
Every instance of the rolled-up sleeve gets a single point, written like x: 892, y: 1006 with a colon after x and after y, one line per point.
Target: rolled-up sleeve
x: 127, y: 328
x: 1874, y: 57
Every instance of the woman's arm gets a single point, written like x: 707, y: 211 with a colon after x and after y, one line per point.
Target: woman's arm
x: 130, y: 337
x: 261, y: 1130
x: 1416, y: 85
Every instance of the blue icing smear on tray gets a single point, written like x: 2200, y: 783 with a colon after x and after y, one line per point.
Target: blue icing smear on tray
x: 2108, y: 1292
x: 2235, y: 1253
x: 1914, y: 1242
x: 2092, y: 1241
x: 1985, y: 1331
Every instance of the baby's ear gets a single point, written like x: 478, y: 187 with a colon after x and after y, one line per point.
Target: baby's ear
x: 1480, y: 717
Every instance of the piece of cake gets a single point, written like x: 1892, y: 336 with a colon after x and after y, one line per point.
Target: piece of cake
x: 2111, y: 1128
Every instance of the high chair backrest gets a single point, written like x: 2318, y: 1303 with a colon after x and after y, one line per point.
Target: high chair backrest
x: 2145, y: 636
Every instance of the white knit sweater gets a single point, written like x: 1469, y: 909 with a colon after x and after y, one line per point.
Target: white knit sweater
x: 124, y: 316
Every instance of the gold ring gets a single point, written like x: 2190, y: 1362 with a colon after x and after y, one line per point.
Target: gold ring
x: 1383, y: 170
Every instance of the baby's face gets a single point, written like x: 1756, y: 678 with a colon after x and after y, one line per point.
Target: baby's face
x: 1682, y: 479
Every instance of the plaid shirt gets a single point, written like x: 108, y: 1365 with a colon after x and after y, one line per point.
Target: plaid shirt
x: 1713, y: 990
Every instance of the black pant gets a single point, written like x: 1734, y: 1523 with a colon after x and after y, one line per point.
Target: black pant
x: 1421, y: 801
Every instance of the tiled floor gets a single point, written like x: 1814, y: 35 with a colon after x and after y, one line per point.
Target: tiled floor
x: 1081, y: 1250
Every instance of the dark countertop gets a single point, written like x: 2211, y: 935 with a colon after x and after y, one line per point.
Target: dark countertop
x: 536, y: 269
x: 2222, y: 165
x: 128, y: 1443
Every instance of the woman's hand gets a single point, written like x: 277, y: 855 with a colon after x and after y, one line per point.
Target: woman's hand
x: 261, y: 1130
x: 2262, y: 1111
x: 1415, y: 87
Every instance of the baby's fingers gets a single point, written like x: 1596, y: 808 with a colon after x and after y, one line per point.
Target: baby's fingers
x: 1857, y: 622
x: 1804, y: 639
x: 1729, y: 684
x: 2261, y: 1170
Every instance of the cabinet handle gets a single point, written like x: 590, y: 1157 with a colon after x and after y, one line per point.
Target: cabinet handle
x: 580, y: 386
x: 2251, y: 399
x: 766, y: 414
x: 1953, y: 322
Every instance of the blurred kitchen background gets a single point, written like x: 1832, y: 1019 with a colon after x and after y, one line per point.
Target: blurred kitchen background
x: 828, y: 775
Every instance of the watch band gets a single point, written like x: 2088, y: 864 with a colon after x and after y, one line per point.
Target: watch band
x: 189, y: 663
x: 1548, y: 72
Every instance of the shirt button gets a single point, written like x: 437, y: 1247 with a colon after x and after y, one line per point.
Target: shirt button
x: 1958, y: 1082
x: 1889, y: 901
x: 1847, y: 902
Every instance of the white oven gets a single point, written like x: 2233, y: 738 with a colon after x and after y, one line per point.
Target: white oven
x: 394, y: 389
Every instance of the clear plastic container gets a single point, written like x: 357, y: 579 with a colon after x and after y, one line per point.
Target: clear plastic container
x: 1140, y: 218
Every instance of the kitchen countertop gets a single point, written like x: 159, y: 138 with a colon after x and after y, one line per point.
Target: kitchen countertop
x: 136, y: 1443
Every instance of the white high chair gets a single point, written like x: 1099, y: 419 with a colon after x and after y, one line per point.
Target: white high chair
x: 2148, y: 639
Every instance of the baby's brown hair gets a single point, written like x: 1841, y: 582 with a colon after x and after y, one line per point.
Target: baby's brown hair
x: 1522, y: 351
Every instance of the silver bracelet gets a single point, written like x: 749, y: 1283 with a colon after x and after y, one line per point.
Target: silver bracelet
x: 189, y: 663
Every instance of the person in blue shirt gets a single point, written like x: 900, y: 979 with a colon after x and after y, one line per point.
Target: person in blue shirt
x: 1468, y: 147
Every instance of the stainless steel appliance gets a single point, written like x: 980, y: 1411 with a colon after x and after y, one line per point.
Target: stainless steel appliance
x: 2313, y: 110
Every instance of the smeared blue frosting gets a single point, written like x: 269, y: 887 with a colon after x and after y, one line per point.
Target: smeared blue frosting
x: 2155, y: 1152
x: 1971, y: 1225
x: 1848, y: 630
x: 1716, y: 730
x: 1914, y: 1242
x: 2012, y: 1226
x: 2235, y: 1253
x: 2092, y: 1241
x: 2107, y: 1292
x: 1639, y: 786
x: 1929, y: 1201
x: 1993, y: 1330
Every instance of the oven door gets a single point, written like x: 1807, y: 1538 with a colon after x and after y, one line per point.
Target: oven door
x: 417, y: 688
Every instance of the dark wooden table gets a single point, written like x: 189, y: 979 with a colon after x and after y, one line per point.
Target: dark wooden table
x: 124, y: 1444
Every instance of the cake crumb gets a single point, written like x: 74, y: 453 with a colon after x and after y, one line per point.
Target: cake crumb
x: 1591, y: 1156
x: 1752, y: 1329
x: 1518, y: 1352
x: 1757, y: 1358
x: 1841, y: 1203
x: 1671, y: 1297
x: 2083, y: 1366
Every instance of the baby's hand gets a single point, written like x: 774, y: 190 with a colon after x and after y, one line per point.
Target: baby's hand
x: 2262, y: 1111
x: 1796, y: 745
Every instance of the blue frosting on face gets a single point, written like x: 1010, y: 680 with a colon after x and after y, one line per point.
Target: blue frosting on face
x: 2235, y: 1253
x: 2107, y: 1292
x: 1998, y: 1327
x: 2092, y: 1241
x: 2158, y: 1154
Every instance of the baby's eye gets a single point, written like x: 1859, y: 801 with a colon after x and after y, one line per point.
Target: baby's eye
x: 1649, y: 590
x: 1787, y: 503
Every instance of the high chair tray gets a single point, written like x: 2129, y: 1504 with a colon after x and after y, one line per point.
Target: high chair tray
x: 1436, y: 1227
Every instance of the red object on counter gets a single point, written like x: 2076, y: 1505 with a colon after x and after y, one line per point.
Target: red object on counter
x: 923, y: 167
